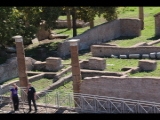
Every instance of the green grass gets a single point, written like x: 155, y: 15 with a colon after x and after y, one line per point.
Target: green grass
x: 66, y: 88
x: 147, y: 34
x: 42, y: 83
x: 115, y: 65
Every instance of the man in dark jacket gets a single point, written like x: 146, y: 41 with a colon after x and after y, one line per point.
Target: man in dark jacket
x: 31, y: 92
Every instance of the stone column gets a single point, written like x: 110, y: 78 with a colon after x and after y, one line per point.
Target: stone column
x: 76, y: 74
x: 21, y: 63
x: 141, y: 17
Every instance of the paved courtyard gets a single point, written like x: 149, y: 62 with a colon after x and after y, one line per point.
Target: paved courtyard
x: 23, y: 109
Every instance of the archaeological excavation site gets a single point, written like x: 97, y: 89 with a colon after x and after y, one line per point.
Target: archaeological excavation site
x: 105, y: 79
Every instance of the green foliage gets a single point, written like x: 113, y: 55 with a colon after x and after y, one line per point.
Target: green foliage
x: 50, y: 15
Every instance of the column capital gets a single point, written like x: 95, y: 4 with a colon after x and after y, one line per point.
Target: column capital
x: 73, y: 42
x: 18, y: 38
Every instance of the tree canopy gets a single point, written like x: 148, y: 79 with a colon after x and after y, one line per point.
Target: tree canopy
x: 25, y: 21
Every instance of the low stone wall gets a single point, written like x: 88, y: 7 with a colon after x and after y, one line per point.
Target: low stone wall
x: 101, y: 51
x: 146, y: 89
x: 103, y: 33
x: 92, y: 73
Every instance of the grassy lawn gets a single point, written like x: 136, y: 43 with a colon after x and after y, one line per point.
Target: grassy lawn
x: 149, y: 26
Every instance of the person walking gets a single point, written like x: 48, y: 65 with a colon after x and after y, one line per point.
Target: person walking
x: 14, y: 97
x: 31, y: 94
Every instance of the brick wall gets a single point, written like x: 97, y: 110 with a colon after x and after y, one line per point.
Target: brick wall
x: 146, y: 89
x: 101, y: 51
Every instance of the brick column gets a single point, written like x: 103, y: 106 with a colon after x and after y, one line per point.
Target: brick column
x: 76, y: 74
x: 141, y: 17
x: 21, y: 62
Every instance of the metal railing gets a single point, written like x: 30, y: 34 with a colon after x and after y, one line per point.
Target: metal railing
x: 87, y: 103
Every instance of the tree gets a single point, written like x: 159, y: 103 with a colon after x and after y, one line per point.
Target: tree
x: 25, y: 21
x: 6, y: 25
x: 68, y: 19
x: 141, y: 17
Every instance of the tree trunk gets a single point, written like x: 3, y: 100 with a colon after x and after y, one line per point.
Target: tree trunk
x: 141, y: 17
x: 92, y: 24
x: 68, y: 19
x: 74, y: 22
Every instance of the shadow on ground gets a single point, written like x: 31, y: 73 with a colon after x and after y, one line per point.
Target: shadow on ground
x: 153, y: 38
x: 124, y: 38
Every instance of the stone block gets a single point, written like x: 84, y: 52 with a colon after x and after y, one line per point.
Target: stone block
x: 147, y: 65
x: 134, y: 56
x: 53, y: 64
x: 123, y: 56
x: 38, y: 65
x: 145, y: 56
x: 96, y: 63
x: 158, y: 55
x: 153, y: 55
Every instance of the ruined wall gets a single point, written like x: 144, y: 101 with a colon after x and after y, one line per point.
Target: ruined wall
x: 146, y: 89
x: 130, y: 27
x: 103, y: 33
x: 101, y: 51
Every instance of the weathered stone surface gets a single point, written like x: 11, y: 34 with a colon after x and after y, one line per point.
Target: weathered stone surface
x: 123, y: 56
x: 38, y: 65
x: 158, y: 55
x: 29, y: 63
x: 145, y: 56
x: 134, y: 56
x: 9, y: 69
x: 147, y: 65
x: 153, y: 55
x: 42, y: 33
x: 128, y: 88
x: 53, y: 64
x: 96, y: 63
x: 84, y: 64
